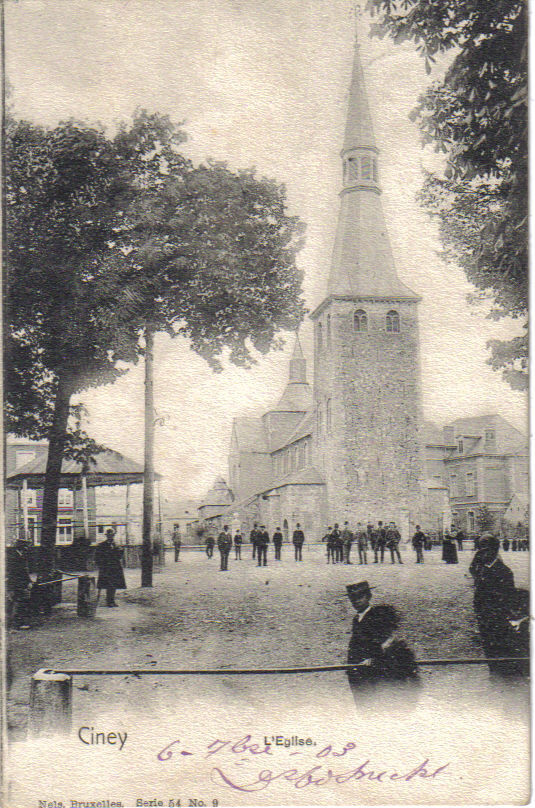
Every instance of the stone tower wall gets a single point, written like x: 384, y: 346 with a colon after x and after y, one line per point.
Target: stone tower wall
x: 372, y: 455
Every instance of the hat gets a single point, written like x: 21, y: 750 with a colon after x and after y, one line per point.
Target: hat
x: 362, y: 588
x: 110, y: 532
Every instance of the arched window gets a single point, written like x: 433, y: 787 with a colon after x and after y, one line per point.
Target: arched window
x: 352, y: 169
x: 328, y: 331
x: 392, y: 322
x: 319, y: 332
x: 366, y: 167
x: 360, y: 320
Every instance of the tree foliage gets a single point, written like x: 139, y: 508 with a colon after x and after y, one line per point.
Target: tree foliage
x: 110, y: 236
x: 477, y: 116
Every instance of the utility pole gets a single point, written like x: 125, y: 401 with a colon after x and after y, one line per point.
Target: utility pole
x: 148, y: 471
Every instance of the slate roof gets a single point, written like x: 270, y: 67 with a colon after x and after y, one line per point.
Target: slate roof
x: 303, y: 429
x: 106, y: 464
x: 250, y: 434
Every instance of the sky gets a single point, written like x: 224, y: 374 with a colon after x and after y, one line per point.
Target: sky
x: 257, y: 84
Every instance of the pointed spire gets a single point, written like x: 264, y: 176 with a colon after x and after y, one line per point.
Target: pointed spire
x: 362, y: 264
x: 359, y: 127
x: 298, y: 365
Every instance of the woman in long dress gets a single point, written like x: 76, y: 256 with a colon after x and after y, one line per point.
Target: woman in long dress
x: 449, y: 550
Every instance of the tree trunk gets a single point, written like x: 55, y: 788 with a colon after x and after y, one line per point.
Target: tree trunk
x: 148, y: 472
x: 56, y: 446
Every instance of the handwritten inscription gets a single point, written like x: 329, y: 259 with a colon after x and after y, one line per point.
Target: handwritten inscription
x: 326, y: 767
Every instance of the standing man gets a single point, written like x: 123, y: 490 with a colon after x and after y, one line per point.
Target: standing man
x: 224, y: 543
x: 176, y: 538
x: 209, y: 545
x: 347, y: 541
x: 362, y: 544
x: 238, y: 541
x: 338, y: 544
x: 380, y: 542
x: 262, y: 541
x: 252, y: 538
x: 277, y: 543
x: 298, y: 540
x: 494, y: 600
x: 393, y: 538
x: 110, y: 570
x: 330, y: 544
x: 18, y: 585
x: 418, y: 541
x: 459, y: 538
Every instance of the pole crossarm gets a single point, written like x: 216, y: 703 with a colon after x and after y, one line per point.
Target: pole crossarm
x: 266, y: 671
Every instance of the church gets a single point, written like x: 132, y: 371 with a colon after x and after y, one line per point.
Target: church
x: 350, y: 443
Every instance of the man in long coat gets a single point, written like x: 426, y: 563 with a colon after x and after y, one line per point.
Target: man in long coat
x: 277, y: 543
x: 262, y: 541
x: 110, y: 571
x: 298, y: 540
x: 494, y: 600
x: 224, y: 543
x: 373, y: 647
x: 347, y: 539
x: 393, y: 538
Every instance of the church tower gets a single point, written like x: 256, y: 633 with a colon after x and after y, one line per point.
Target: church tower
x: 367, y: 395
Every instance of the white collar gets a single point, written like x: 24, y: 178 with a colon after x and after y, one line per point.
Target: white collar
x: 360, y: 615
x: 492, y: 563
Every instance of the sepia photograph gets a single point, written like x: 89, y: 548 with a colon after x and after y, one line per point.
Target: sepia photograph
x: 265, y: 303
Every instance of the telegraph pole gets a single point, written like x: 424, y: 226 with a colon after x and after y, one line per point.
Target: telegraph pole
x: 148, y: 471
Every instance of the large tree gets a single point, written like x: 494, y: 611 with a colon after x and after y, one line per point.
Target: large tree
x: 477, y: 115
x: 113, y: 239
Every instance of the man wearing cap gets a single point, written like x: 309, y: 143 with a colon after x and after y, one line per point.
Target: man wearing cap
x: 176, y: 538
x: 262, y: 541
x: 380, y: 543
x: 224, y: 543
x: 110, y: 570
x: 298, y: 540
x: 277, y: 543
x: 238, y: 541
x: 393, y: 538
x: 494, y: 599
x: 373, y: 647
x: 253, y: 538
x: 418, y: 541
x: 362, y: 544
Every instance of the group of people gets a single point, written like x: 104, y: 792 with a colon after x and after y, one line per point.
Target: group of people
x: 377, y: 539
x: 260, y: 541
x: 501, y: 610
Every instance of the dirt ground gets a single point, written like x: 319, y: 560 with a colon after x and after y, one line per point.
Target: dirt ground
x: 286, y: 614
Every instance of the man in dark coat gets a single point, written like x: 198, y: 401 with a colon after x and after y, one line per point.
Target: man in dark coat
x: 262, y: 541
x: 459, y: 538
x: 253, y: 537
x: 209, y: 545
x: 418, y: 541
x: 277, y: 543
x: 494, y: 600
x: 176, y: 538
x: 18, y: 585
x: 380, y: 543
x: 328, y: 538
x: 224, y: 543
x: 298, y: 540
x: 362, y: 543
x: 110, y: 571
x: 373, y: 647
x: 338, y: 543
x: 393, y: 538
x: 238, y: 541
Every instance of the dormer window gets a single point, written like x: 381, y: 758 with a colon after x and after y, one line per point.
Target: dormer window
x: 392, y: 322
x: 360, y: 320
x: 490, y: 437
x: 320, y: 336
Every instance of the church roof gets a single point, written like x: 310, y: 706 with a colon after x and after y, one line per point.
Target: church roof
x: 303, y: 429
x: 250, y: 434
x: 307, y: 476
x: 362, y: 263
x: 297, y: 397
x: 219, y: 494
x: 359, y: 127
